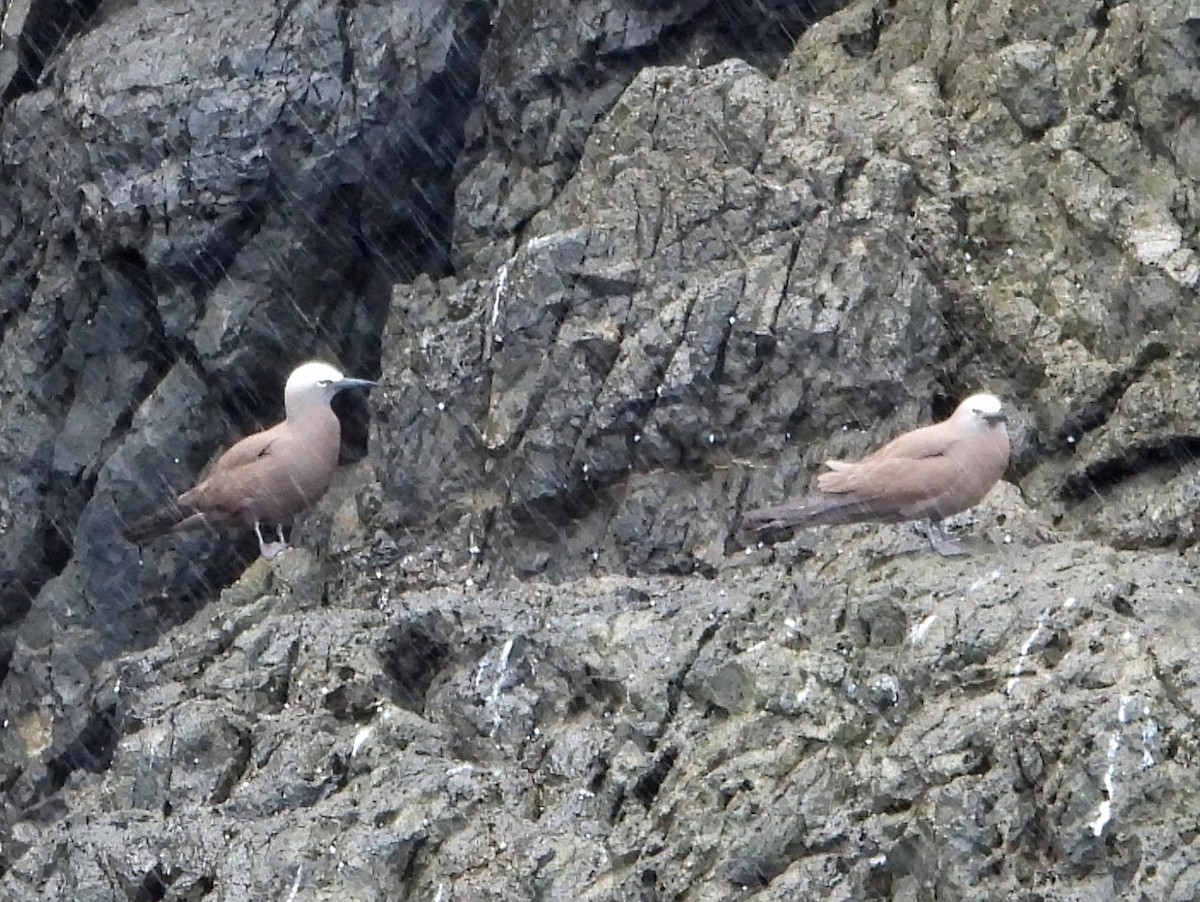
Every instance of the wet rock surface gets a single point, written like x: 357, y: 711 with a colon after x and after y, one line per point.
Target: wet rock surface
x: 873, y: 724
x: 624, y: 271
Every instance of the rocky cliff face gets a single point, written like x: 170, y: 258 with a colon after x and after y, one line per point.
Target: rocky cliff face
x: 623, y: 270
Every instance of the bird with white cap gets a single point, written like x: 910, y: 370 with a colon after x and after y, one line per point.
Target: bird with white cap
x: 929, y: 473
x: 270, y: 476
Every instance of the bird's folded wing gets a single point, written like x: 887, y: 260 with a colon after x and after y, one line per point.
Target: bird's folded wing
x: 928, y: 441
x: 248, y: 450
x: 233, y: 477
x: 892, y: 483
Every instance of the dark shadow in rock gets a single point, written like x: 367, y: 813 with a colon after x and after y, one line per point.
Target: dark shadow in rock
x: 1180, y: 451
x: 47, y: 27
x: 648, y: 784
x: 413, y: 654
x: 91, y: 750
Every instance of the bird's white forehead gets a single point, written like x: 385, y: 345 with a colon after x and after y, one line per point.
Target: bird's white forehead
x: 313, y: 373
x: 984, y: 404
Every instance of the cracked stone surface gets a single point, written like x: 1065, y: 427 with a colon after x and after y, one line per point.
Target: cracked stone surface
x: 624, y: 270
x: 872, y: 726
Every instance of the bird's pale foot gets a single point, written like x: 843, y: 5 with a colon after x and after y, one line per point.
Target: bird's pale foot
x: 270, y: 549
x: 942, y: 543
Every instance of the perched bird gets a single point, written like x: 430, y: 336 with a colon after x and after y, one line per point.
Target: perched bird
x: 270, y: 476
x: 929, y: 473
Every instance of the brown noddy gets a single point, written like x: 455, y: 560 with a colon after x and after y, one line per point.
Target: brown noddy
x: 270, y: 476
x: 929, y: 473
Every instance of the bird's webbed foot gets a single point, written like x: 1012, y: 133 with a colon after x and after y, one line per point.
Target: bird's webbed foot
x: 943, y: 544
x: 270, y: 549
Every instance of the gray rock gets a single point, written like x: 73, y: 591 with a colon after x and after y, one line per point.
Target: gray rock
x: 739, y: 733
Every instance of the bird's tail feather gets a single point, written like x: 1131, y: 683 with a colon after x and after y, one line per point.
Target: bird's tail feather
x: 157, y: 522
x: 815, y: 509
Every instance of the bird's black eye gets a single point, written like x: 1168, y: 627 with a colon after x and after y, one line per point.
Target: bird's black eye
x: 325, y: 382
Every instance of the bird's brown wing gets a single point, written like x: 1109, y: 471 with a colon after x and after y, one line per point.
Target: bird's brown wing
x: 248, y: 450
x: 910, y: 469
x: 223, y: 489
x: 892, y: 484
x: 206, y: 497
x: 926, y: 442
x: 925, y: 445
x: 896, y: 481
